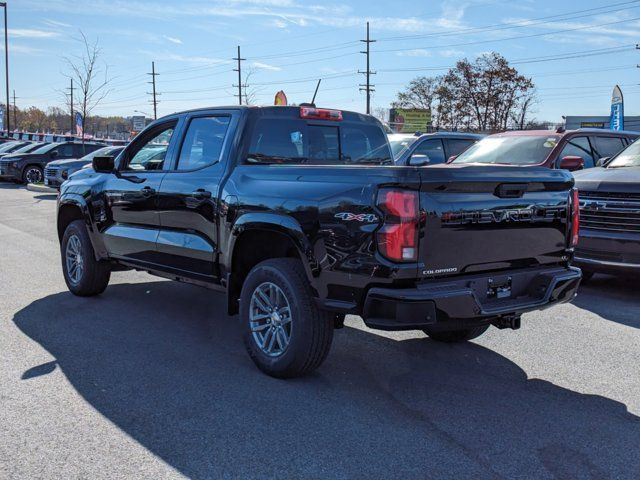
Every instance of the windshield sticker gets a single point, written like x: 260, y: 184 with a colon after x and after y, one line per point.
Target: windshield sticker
x: 550, y: 143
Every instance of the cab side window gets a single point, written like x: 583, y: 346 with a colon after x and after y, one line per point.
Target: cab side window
x: 148, y: 154
x: 429, y: 152
x: 65, y: 150
x: 203, y: 142
x: 578, y: 147
x: 607, y: 146
x: 455, y: 146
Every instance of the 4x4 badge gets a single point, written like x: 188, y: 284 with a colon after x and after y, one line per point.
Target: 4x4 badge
x: 357, y: 217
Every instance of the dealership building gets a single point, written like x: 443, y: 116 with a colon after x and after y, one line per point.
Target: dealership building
x: 573, y: 122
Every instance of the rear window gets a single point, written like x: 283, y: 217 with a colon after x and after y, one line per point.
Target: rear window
x: 293, y: 141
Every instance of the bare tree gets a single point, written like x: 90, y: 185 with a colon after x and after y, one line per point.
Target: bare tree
x: 91, y: 79
x: 250, y: 92
x: 419, y: 93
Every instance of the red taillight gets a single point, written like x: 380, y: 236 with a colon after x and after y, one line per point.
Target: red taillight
x: 398, y: 237
x: 575, y: 217
x: 320, y: 113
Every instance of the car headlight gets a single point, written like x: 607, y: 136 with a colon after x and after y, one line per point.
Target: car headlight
x: 64, y: 173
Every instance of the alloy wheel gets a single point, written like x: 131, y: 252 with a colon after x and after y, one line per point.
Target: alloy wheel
x: 33, y: 175
x: 270, y: 319
x: 73, y: 259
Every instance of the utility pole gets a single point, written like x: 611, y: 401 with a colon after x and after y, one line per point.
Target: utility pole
x: 367, y: 87
x: 6, y: 60
x: 73, y: 120
x: 15, y: 117
x: 153, y: 82
x: 239, y: 59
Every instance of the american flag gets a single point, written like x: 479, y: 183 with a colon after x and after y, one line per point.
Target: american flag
x: 78, y: 124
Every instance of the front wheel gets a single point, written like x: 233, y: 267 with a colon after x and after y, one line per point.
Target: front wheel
x: 32, y: 174
x: 84, y: 275
x: 454, y: 336
x: 285, y: 333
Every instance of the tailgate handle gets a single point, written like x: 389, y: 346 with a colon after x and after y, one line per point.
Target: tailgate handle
x: 510, y: 190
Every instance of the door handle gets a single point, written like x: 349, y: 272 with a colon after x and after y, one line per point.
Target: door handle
x: 201, y: 193
x: 148, y: 191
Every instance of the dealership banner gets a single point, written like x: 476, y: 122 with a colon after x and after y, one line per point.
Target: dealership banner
x: 617, y: 109
x: 410, y: 120
x: 2, y: 118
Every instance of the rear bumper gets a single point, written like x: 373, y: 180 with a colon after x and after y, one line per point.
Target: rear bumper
x: 465, y: 300
x: 608, y: 251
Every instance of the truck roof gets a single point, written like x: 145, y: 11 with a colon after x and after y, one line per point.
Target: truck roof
x: 545, y: 133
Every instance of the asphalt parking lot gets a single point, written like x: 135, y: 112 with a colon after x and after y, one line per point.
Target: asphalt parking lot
x: 150, y: 380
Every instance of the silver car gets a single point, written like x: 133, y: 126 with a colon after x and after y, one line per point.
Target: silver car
x: 58, y: 171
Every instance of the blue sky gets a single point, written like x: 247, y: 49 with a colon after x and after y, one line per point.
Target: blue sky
x: 574, y: 51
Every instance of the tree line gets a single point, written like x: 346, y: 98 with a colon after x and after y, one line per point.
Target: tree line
x: 485, y: 95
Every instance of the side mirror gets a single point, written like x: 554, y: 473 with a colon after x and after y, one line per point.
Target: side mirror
x: 53, y: 154
x: 572, y: 162
x: 103, y: 164
x: 452, y: 158
x: 418, y: 159
x: 602, y: 161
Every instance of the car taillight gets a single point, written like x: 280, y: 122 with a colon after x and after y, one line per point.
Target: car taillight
x: 398, y: 237
x: 320, y: 113
x: 575, y: 218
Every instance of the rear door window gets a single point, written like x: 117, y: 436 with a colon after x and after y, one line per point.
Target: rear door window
x: 293, y: 141
x: 607, y: 146
x: 203, y: 142
x: 578, y: 147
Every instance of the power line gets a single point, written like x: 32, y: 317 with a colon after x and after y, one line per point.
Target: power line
x: 519, y: 24
x: 367, y: 87
x: 517, y: 37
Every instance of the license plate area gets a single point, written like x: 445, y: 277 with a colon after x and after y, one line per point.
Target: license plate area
x: 499, y: 288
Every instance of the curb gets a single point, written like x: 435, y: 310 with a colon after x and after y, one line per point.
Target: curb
x: 41, y: 188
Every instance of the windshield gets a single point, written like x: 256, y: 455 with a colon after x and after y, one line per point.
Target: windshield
x: 45, y: 148
x: 30, y: 147
x: 9, y: 146
x: 507, y: 150
x: 630, y: 157
x: 102, y: 152
x: 399, y: 143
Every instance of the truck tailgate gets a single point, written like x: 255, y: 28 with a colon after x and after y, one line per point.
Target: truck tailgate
x: 492, y: 218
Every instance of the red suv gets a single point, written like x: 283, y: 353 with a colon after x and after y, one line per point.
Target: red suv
x: 567, y: 149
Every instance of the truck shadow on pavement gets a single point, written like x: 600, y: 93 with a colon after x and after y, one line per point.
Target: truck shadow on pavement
x: 612, y: 297
x: 165, y: 364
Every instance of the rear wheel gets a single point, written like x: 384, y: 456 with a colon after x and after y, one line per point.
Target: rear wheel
x: 84, y: 275
x: 32, y: 174
x: 453, y: 336
x: 285, y: 333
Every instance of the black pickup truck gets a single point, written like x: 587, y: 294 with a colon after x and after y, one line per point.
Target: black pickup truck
x: 299, y: 215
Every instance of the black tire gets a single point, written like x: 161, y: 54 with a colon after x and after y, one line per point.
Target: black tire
x: 587, y: 276
x: 32, y: 174
x: 310, y: 329
x: 454, y: 336
x: 94, y: 275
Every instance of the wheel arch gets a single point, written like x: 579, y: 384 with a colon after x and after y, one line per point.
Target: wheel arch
x: 258, y: 237
x: 74, y: 207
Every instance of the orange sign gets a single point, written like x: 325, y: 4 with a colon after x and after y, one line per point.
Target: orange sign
x: 281, y: 99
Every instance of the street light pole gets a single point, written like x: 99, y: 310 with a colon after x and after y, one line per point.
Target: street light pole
x: 6, y: 61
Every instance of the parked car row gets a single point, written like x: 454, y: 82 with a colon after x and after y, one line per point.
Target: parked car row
x: 26, y: 163
x: 566, y: 149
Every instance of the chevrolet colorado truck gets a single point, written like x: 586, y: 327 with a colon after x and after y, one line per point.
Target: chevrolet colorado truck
x: 299, y: 215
